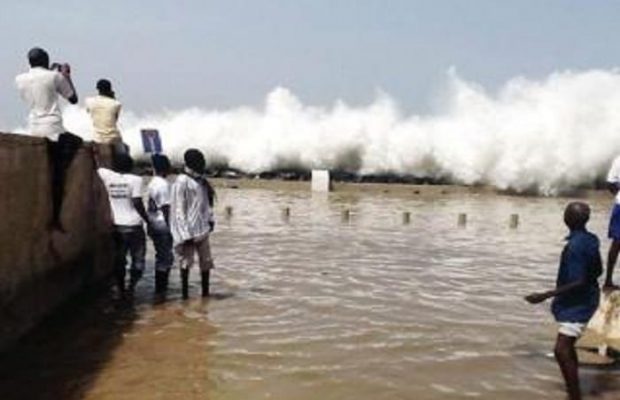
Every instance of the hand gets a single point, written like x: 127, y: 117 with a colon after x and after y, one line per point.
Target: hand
x: 536, y: 298
x: 65, y: 69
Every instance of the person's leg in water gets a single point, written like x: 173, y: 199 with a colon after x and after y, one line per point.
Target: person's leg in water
x: 206, y: 264
x: 186, y: 253
x: 61, y: 155
x: 121, y: 247
x: 137, y: 248
x: 162, y: 242
x: 566, y: 356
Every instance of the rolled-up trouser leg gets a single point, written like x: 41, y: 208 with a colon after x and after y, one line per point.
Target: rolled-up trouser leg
x: 205, y: 259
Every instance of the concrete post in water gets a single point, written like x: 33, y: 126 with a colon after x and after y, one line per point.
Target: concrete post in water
x: 321, y: 180
x: 229, y: 212
x: 514, y: 221
x: 346, y: 215
x: 286, y: 213
x: 462, y: 219
x: 406, y: 218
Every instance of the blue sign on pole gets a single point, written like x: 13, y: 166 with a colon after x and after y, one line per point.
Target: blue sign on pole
x: 151, y: 141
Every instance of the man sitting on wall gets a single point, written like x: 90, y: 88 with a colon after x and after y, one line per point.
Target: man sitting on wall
x: 39, y: 88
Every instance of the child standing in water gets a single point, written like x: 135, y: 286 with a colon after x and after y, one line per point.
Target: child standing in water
x: 577, y: 292
x: 191, y: 219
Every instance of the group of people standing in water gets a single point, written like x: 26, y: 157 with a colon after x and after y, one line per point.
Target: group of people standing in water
x: 178, y: 214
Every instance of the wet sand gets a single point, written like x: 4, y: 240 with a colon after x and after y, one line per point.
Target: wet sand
x: 311, y: 306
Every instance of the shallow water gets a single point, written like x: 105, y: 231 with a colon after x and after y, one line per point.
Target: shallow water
x: 317, y: 307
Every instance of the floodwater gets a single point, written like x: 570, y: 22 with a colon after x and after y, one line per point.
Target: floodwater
x: 317, y: 307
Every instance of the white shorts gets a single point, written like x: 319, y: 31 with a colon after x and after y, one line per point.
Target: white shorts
x: 571, y: 329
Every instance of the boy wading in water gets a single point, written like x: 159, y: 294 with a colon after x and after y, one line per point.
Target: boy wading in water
x: 159, y: 226
x: 191, y: 219
x: 576, y: 295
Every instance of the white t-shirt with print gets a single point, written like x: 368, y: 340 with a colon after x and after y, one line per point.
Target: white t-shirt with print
x: 159, y: 196
x: 122, y: 189
x: 40, y: 88
x: 613, y: 176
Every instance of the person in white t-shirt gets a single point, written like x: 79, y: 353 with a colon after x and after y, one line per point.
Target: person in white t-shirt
x: 40, y: 89
x: 104, y: 111
x: 125, y: 194
x: 159, y: 221
x: 613, y: 183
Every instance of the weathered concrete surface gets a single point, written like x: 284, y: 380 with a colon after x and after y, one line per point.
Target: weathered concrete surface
x: 40, y: 268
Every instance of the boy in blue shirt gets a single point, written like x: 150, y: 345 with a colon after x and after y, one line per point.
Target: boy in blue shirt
x: 576, y: 295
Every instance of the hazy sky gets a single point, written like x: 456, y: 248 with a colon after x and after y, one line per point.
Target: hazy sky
x: 165, y: 54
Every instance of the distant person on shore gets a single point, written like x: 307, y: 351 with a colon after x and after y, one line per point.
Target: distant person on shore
x: 104, y: 111
x: 159, y: 216
x: 125, y: 194
x: 191, y: 219
x: 40, y: 88
x: 613, y: 184
x: 576, y: 295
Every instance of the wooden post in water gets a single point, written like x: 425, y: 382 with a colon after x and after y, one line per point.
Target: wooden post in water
x: 229, y: 212
x: 286, y: 213
x: 406, y: 218
x: 346, y: 215
x: 462, y: 219
x: 514, y: 221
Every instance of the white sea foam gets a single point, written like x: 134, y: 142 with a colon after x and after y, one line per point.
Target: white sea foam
x: 547, y: 135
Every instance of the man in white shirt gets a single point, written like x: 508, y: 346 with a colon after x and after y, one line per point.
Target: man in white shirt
x: 191, y: 219
x: 104, y: 111
x: 40, y: 88
x: 159, y: 217
x: 613, y: 183
x: 125, y: 194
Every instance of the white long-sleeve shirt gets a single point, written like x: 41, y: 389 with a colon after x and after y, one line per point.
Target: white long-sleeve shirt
x: 190, y: 213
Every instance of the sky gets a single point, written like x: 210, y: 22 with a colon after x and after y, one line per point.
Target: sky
x: 173, y: 55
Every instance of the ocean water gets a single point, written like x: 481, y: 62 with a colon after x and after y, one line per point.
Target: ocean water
x: 317, y: 307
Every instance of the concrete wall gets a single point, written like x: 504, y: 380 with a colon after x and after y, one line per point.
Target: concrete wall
x: 41, y: 268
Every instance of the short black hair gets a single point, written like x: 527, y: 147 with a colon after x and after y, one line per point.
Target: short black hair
x: 37, y: 57
x: 104, y: 86
x: 123, y: 163
x: 161, y: 164
x: 577, y: 214
x: 195, y: 160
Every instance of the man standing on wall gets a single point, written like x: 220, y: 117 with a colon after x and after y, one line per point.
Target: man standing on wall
x: 104, y: 111
x: 39, y: 88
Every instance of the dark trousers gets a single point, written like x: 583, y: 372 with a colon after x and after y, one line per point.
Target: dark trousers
x: 162, y: 242
x: 132, y: 240
x: 61, y: 154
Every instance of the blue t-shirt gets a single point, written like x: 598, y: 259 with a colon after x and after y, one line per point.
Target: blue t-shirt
x: 580, y: 260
